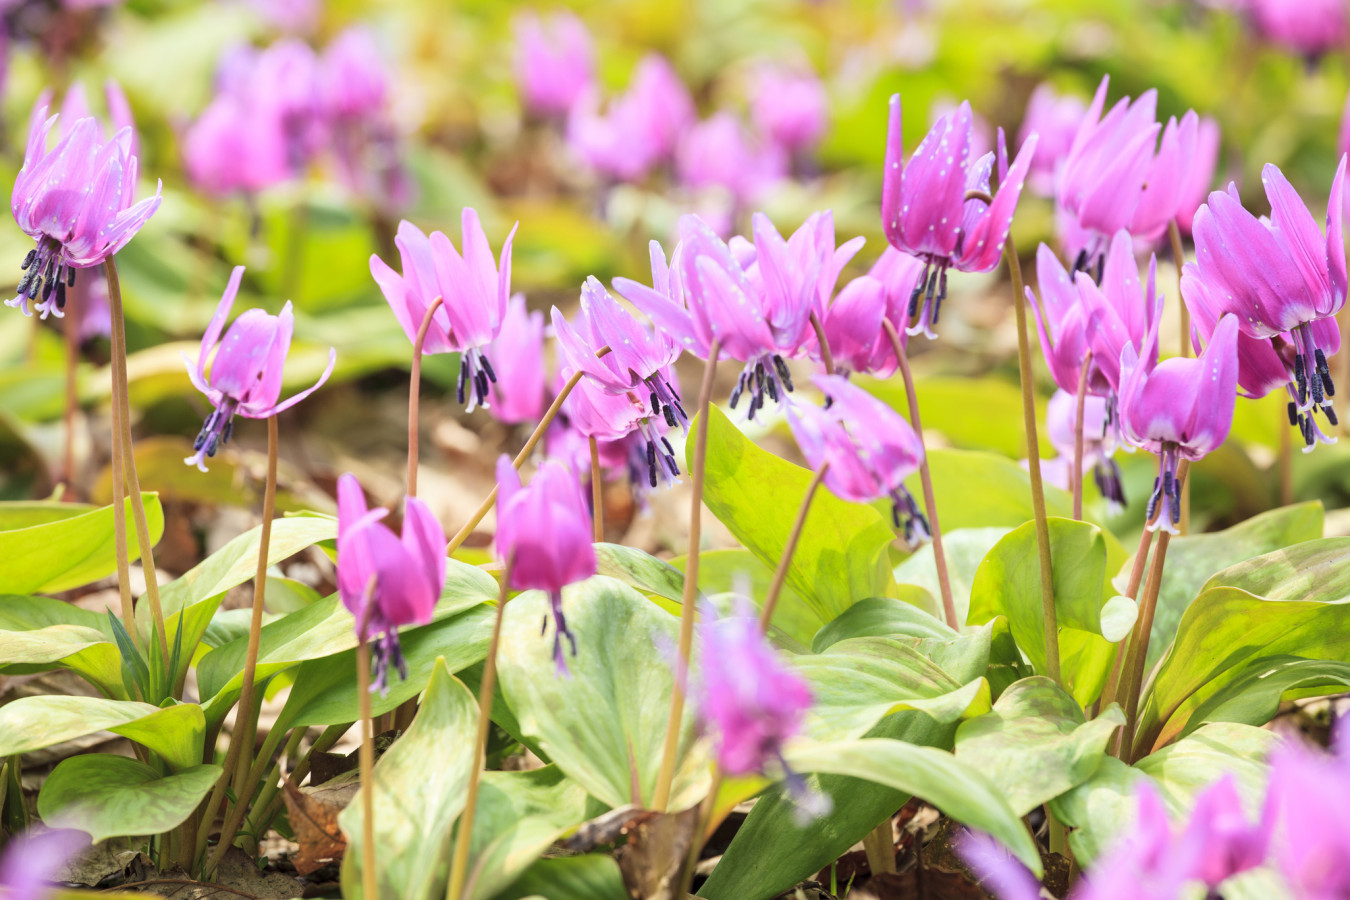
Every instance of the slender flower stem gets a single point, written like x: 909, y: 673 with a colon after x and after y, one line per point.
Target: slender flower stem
x: 119, y: 495
x: 688, y: 606
x: 370, y: 881
x: 597, y: 493
x: 1076, y: 476
x: 72, y: 397
x: 780, y: 573
x: 462, y: 535
x: 415, y: 392
x: 879, y: 845
x: 1034, y: 469
x: 459, y: 863
x: 1184, y: 313
x: 826, y: 358
x: 238, y: 763
x: 925, y: 478
x: 128, y: 459
x: 1131, y: 591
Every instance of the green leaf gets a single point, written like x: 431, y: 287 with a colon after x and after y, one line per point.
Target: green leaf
x: 982, y: 490
x: 857, y: 682
x: 1228, y: 635
x: 945, y: 402
x: 520, y: 815
x: 965, y: 549
x: 841, y: 556
x: 70, y: 552
x: 640, y: 570
x: 1008, y: 583
x: 1254, y: 698
x: 1192, y: 559
x: 41, y: 633
x: 112, y: 796
x: 1315, y: 569
x: 880, y: 617
x: 958, y: 789
x: 416, y: 803
x: 742, y: 572
x: 1099, y: 809
x: 1036, y: 743
x: 31, y: 723
x: 589, y: 877
x: 605, y: 723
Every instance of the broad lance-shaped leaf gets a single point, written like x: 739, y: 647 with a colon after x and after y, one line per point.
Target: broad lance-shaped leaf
x: 69, y: 552
x: 417, y: 802
x: 1008, y: 583
x: 112, y: 796
x: 604, y: 725
x: 857, y: 682
x: 984, y: 490
x: 640, y: 570
x: 842, y: 555
x: 965, y: 549
x: 520, y: 815
x: 41, y: 633
x: 1036, y: 743
x: 958, y: 789
x: 1193, y: 559
x: 739, y: 571
x: 1313, y: 570
x: 881, y: 617
x: 594, y: 876
x: 31, y: 723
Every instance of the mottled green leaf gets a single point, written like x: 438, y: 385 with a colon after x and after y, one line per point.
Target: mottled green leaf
x: 965, y: 549
x: 31, y: 723
x: 69, y: 552
x: 111, y: 796
x: 520, y: 815
x: 640, y: 570
x: 589, y: 877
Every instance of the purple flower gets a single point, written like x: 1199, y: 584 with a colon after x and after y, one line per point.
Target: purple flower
x: 790, y: 106
x: 1120, y: 310
x: 1308, y: 27
x: 869, y: 447
x: 229, y: 148
x: 1117, y: 175
x: 475, y: 289
x: 246, y: 375
x: 639, y: 356
x: 852, y: 327
x: 1219, y: 838
x: 630, y: 436
x: 355, y: 86
x: 640, y: 128
x: 1063, y: 322
x: 544, y: 533
x: 925, y: 212
x: 1055, y: 119
x: 1305, y: 805
x: 518, y: 395
x: 718, y: 152
x: 1178, y: 408
x: 1284, y: 281
x: 353, y: 78
x: 553, y: 62
x: 386, y: 580
x: 32, y: 859
x: 1200, y: 176
x: 1099, y: 442
x: 76, y: 202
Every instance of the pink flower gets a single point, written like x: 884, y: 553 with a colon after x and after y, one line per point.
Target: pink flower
x: 385, y: 580
x: 1099, y: 442
x: 553, y: 62
x: 1055, y: 119
x: 1120, y: 309
x: 925, y: 212
x: 32, y: 859
x: 246, y: 375
x: 75, y: 201
x: 518, y: 394
x: 229, y: 148
x: 474, y: 286
x: 640, y: 128
x: 1200, y: 176
x: 1304, y: 804
x: 790, y: 106
x: 627, y: 435
x: 1284, y: 281
x: 718, y: 152
x: 870, y: 449
x: 353, y: 78
x: 1308, y: 27
x: 544, y: 533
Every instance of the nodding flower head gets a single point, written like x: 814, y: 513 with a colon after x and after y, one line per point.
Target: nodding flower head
x: 553, y: 62
x: 75, y: 201
x: 386, y: 580
x: 790, y: 106
x: 544, y: 532
x: 1099, y: 442
x: 938, y: 205
x: 639, y: 358
x: 245, y: 377
x: 624, y: 420
x: 1054, y: 118
x: 1284, y: 281
x: 518, y: 395
x: 870, y: 450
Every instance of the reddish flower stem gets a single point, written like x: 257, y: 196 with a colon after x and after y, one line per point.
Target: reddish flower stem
x: 780, y: 573
x: 826, y: 358
x: 597, y: 494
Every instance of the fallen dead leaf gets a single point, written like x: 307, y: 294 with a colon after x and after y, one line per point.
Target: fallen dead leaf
x: 313, y: 814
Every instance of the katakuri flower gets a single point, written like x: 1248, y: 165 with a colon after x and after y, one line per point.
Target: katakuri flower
x: 353, y: 77
x: 1200, y: 175
x: 1054, y: 118
x: 640, y: 128
x: 1305, y: 805
x: 518, y: 394
x: 246, y: 374
x: 934, y: 206
x: 553, y: 62
x: 1178, y: 409
x: 1308, y: 27
x: 625, y: 431
x: 387, y: 580
x: 1099, y: 444
x: 475, y: 290
x: 870, y: 450
x: 75, y: 201
x: 719, y: 153
x: 1284, y: 282
x: 544, y: 534
x: 639, y: 357
x: 790, y: 106
x: 32, y: 859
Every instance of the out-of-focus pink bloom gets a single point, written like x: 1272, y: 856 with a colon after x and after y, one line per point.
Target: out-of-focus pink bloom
x: 385, y: 580
x: 553, y: 62
x: 354, y: 81
x: 544, y: 532
x: 852, y: 327
x: 639, y: 356
x: 246, y: 375
x: 75, y: 201
x: 1118, y: 175
x: 640, y: 128
x: 900, y: 274
x: 790, y: 106
x: 89, y: 305
x: 1223, y: 841
x: 31, y: 861
x: 718, y: 152
x: 293, y: 16
x: 518, y: 394
x: 1308, y: 27
x: 1284, y: 281
x: 1055, y: 119
x: 1303, y: 802
x: 287, y: 82
x: 1063, y: 322
x: 1179, y: 408
x: 475, y: 289
x: 1200, y: 176
x: 925, y: 212
x: 229, y: 149
x: 870, y: 450
x: 1099, y: 442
